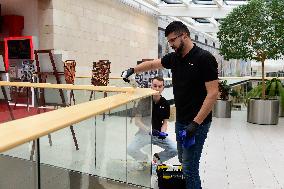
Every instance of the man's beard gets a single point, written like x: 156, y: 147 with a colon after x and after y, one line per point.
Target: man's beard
x: 180, y: 49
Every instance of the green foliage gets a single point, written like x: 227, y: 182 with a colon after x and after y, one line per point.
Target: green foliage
x: 224, y: 90
x: 234, y: 93
x: 253, y: 31
x: 274, y: 88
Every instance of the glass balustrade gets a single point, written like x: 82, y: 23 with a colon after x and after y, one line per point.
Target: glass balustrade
x: 109, y: 145
x: 104, y: 145
x: 17, y: 172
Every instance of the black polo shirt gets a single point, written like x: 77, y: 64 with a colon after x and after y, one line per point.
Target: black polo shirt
x: 160, y: 111
x: 189, y: 74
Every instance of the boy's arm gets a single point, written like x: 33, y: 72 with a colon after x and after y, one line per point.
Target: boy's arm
x: 164, y: 126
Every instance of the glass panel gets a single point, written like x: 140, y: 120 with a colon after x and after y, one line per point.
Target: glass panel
x: 83, y: 81
x: 240, y: 87
x: 5, y: 110
x: 139, y: 148
x: 23, y: 105
x: 16, y: 172
x: 83, y: 96
x: 63, y: 151
x: 50, y: 100
x: 111, y: 144
x: 103, y: 141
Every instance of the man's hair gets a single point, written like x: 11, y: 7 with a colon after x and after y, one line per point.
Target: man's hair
x: 177, y: 27
x: 159, y: 79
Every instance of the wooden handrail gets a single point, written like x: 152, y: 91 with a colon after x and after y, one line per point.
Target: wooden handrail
x: 20, y: 131
x: 67, y: 86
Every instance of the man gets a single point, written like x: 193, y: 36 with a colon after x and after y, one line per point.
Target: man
x: 159, y: 122
x: 195, y: 88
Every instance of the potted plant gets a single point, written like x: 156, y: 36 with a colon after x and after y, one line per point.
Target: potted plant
x: 235, y: 94
x: 255, y: 32
x: 273, y: 89
x: 222, y: 107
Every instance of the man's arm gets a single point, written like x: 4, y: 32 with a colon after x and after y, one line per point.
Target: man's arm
x: 148, y: 65
x: 207, y: 106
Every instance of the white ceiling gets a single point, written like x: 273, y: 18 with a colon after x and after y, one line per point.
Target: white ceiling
x: 203, y: 16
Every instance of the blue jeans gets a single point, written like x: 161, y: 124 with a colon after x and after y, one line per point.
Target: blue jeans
x: 189, y: 157
x: 142, y: 139
x: 169, y: 147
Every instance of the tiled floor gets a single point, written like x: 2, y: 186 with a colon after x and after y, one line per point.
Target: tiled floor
x: 236, y: 154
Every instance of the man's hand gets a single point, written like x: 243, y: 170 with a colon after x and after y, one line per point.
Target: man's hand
x: 126, y: 74
x: 182, y: 135
x: 162, y: 135
x: 191, y: 129
x: 186, y: 141
x: 155, y: 132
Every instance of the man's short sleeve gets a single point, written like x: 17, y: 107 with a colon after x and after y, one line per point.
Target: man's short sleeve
x: 167, y: 60
x: 209, y: 67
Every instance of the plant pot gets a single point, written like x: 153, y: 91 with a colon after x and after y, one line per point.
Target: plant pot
x: 222, y: 109
x: 263, y: 112
x: 281, y: 112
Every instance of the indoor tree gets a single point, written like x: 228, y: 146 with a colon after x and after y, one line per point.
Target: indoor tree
x: 254, y: 31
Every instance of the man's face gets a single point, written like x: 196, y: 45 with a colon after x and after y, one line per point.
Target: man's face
x: 158, y: 86
x: 176, y: 42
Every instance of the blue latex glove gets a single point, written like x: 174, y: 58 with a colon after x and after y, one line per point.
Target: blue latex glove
x: 155, y: 132
x: 186, y: 141
x: 191, y: 129
x: 162, y: 135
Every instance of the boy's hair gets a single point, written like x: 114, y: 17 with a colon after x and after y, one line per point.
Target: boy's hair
x: 159, y: 79
x: 177, y: 27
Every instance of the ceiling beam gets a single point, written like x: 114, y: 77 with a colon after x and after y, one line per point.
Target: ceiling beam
x: 188, y: 20
x: 219, y: 3
x: 200, y: 27
x: 206, y: 28
x: 195, y: 11
x: 236, y: 3
x: 153, y: 2
x: 213, y: 21
x: 186, y: 2
x: 148, y: 5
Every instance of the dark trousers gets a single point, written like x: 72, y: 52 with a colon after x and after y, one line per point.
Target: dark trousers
x: 189, y: 157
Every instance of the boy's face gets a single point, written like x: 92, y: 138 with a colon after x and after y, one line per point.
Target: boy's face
x: 158, y: 86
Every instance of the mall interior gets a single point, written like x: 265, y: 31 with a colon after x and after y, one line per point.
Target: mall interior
x: 67, y: 118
